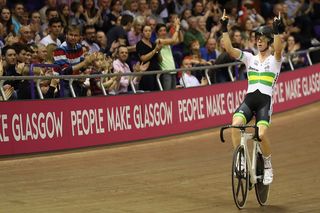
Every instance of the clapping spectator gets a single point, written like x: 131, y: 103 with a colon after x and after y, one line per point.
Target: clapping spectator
x: 148, y: 52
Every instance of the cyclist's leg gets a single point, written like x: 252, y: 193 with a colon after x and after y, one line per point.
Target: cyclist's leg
x: 265, y: 142
x: 241, y: 117
x: 263, y: 118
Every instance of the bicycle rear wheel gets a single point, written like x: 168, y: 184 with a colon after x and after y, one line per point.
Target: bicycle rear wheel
x: 262, y: 191
x: 239, y: 177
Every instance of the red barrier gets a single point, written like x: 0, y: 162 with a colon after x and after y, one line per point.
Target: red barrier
x: 36, y: 126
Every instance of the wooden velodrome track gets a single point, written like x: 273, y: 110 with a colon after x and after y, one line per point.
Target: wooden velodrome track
x: 185, y: 173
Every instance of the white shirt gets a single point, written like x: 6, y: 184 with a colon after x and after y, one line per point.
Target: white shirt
x: 189, y: 80
x: 48, y: 40
x: 262, y: 76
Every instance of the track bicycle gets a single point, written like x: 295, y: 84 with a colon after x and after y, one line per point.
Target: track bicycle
x: 247, y: 172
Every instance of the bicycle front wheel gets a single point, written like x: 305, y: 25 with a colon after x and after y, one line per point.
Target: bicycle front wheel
x: 240, y: 177
x: 262, y: 191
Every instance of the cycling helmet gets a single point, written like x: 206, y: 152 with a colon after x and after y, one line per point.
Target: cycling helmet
x: 265, y: 31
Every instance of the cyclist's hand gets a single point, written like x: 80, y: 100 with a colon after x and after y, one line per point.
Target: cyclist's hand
x: 224, y: 21
x: 277, y: 24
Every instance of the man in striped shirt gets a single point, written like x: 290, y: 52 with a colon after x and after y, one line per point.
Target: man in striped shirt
x: 69, y: 56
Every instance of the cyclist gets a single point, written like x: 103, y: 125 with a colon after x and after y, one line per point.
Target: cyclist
x: 262, y: 70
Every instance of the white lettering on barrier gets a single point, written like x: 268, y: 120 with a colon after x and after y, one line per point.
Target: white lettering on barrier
x: 278, y: 93
x: 293, y: 88
x: 215, y: 105
x: 191, y: 109
x: 4, y: 125
x: 311, y: 84
x: 235, y: 99
x: 118, y: 118
x: 85, y: 122
x: 153, y: 114
x: 24, y: 128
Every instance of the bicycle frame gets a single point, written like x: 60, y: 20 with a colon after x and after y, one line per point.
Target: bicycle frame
x: 244, y: 137
x: 252, y: 162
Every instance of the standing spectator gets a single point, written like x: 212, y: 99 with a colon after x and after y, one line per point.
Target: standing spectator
x: 148, y: 52
x: 168, y: 80
x: 134, y: 36
x: 120, y: 31
x: 90, y: 38
x: 69, y: 56
x: 55, y: 26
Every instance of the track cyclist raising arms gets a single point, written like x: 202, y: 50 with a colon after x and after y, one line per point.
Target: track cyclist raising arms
x: 262, y: 70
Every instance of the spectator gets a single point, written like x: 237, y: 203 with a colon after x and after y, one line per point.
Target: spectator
x: 50, y: 52
x: 43, y: 10
x: 186, y: 14
x: 143, y: 9
x: 102, y: 65
x: 148, y: 52
x: 64, y: 14
x: 55, y: 26
x: 17, y: 13
x: 6, y: 21
x: 120, y: 66
x: 193, y: 34
x: 115, y: 13
x: 130, y: 7
x: 101, y: 39
x: 9, y: 68
x: 50, y: 13
x: 189, y: 80
x: 168, y: 80
x: 154, y: 6
x: 78, y: 18
x: 90, y: 38
x: 209, y: 52
x: 134, y: 36
x: 290, y: 49
x: 69, y: 56
x: 26, y: 35
x: 120, y: 31
x: 35, y: 25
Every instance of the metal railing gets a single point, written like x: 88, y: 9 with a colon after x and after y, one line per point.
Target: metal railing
x: 72, y: 78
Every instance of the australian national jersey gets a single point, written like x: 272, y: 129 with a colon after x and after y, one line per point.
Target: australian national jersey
x: 261, y: 75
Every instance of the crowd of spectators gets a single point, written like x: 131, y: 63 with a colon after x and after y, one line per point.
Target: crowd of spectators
x: 110, y: 36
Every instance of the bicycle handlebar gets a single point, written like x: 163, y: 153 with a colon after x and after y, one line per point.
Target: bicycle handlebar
x: 243, y: 128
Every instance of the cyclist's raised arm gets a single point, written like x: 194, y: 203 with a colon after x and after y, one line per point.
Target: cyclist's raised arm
x: 277, y: 43
x: 233, y: 52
